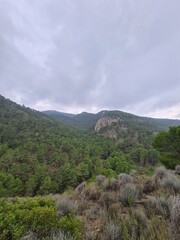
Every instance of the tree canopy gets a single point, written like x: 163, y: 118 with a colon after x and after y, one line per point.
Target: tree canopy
x: 168, y: 144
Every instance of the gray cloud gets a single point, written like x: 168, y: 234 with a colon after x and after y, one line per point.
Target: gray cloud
x: 92, y: 55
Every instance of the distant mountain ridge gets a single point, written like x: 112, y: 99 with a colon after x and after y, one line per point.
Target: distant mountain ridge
x: 87, y: 120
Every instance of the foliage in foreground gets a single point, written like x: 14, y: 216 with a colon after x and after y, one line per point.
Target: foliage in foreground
x: 37, y: 215
x: 128, y: 207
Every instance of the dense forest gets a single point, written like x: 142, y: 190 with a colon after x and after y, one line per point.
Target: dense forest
x: 39, y: 155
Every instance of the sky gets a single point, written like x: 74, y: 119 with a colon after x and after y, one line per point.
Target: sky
x: 92, y: 55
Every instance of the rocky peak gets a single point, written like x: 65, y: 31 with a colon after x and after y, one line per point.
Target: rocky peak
x: 110, y: 127
x: 106, y: 122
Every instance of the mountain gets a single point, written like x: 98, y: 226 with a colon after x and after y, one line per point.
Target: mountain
x: 88, y: 121
x: 126, y: 128
x: 39, y: 155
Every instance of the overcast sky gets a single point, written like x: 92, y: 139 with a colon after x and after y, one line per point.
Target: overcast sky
x: 89, y: 55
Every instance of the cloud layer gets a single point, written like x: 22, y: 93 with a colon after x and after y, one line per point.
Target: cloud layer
x: 90, y: 55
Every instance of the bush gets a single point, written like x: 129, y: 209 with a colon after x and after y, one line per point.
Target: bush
x: 149, y: 186
x: 100, y: 180
x: 41, y: 220
x: 111, y: 185
x: 82, y: 206
x: 124, y: 179
x: 29, y: 236
x: 171, y: 182
x: 89, y: 235
x: 158, y: 205
x: 66, y: 206
x: 92, y: 213
x: 60, y: 235
x: 106, y: 199
x: 160, y: 172
x: 71, y: 225
x: 80, y: 187
x: 175, y: 217
x: 128, y: 194
x: 92, y: 193
x: 112, y: 231
x: 177, y: 169
x: 156, y: 229
x: 19, y: 216
x: 136, y: 226
x: 141, y: 219
x: 115, y: 210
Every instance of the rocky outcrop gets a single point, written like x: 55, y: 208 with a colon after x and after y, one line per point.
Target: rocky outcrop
x: 106, y: 121
x: 110, y: 127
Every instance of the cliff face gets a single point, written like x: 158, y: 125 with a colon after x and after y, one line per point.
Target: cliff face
x: 104, y: 122
x: 110, y: 127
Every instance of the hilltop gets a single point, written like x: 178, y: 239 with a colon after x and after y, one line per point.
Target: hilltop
x: 88, y: 121
x: 125, y: 128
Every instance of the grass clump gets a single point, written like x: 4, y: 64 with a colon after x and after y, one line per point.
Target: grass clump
x: 111, y: 185
x: 66, y: 206
x: 60, y: 235
x: 175, y: 217
x: 124, y: 178
x: 106, y: 199
x: 158, y: 205
x: 112, y: 231
x: 128, y: 194
x: 149, y: 185
x: 92, y: 193
x: 177, y: 169
x: 171, y: 182
x: 100, y: 179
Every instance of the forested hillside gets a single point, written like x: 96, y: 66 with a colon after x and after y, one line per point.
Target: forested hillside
x: 39, y: 155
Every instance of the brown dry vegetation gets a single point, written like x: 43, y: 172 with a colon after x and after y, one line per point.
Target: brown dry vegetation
x: 129, y: 207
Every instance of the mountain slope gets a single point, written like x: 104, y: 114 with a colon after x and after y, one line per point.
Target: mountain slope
x: 39, y: 155
x: 127, y: 129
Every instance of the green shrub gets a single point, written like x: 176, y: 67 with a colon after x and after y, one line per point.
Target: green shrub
x: 71, y: 225
x: 19, y: 216
x: 41, y: 220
